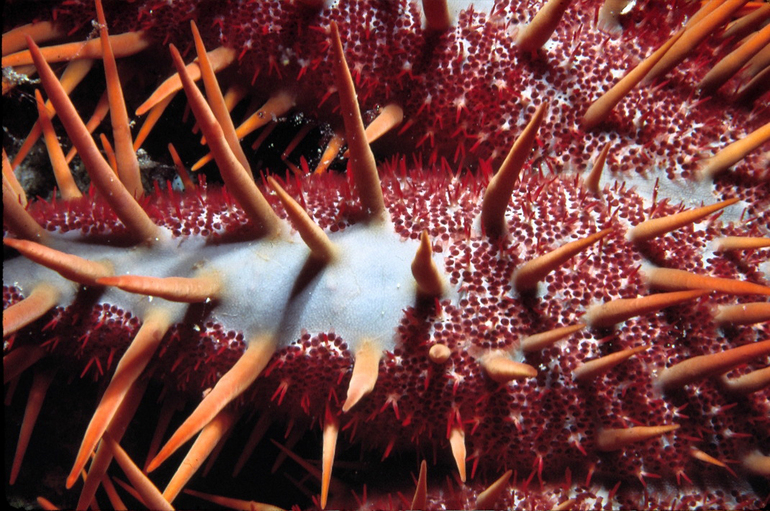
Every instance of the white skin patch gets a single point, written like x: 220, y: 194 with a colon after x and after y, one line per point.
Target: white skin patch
x: 270, y: 286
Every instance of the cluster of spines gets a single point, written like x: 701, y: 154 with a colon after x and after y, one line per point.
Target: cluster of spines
x: 496, y: 365
x: 705, y: 22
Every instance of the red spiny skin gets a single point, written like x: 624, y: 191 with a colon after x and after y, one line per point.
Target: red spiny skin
x: 466, y: 93
x: 542, y: 428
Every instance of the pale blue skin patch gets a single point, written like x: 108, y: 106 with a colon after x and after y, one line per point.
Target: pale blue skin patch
x: 270, y: 286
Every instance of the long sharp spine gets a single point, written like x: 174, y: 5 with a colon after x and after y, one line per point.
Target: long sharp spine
x: 735, y: 152
x: 314, y: 237
x: 331, y: 430
x: 128, y: 164
x: 13, y: 183
x: 757, y: 463
x: 602, y: 107
x: 693, y: 35
x: 70, y: 267
x: 616, y: 439
x: 732, y: 63
x: 741, y: 243
x: 238, y: 181
x: 498, y: 193
x: 420, y: 499
x: 40, y: 382
x: 220, y: 58
x: 437, y: 17
x: 705, y: 366
x: 139, y: 224
x: 17, y: 218
x: 124, y: 45
x: 130, y: 367
x: 175, y: 289
x: 230, y: 386
x: 150, y: 494
x: 673, y: 279
x: 542, y: 340
x: 656, y: 227
x: 593, y: 180
x: 593, y: 368
x: 526, y: 277
x: 743, y: 313
x: 62, y: 173
x: 217, y: 100
x: 207, y: 440
x: 610, y: 313
x: 748, y: 383
x: 362, y: 165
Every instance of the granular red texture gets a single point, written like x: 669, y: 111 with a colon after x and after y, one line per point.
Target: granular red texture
x: 548, y: 422
x: 466, y: 95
